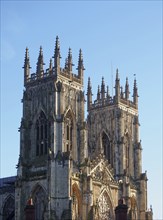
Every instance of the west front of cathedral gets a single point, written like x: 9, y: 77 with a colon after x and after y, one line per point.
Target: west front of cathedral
x: 71, y: 167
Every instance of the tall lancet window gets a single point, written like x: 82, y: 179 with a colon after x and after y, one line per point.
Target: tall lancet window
x: 42, y: 134
x: 106, y: 147
x: 68, y: 131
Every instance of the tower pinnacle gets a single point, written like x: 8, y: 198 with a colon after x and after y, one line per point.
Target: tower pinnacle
x: 102, y: 90
x: 80, y: 67
x: 40, y: 63
x: 57, y: 56
x: 26, y: 67
x: 117, y: 87
x: 69, y: 61
x: 135, y: 94
x: 89, y: 94
x: 127, y: 92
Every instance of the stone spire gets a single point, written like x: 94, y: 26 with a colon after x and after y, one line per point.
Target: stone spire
x: 80, y: 66
x: 127, y: 92
x: 57, y: 56
x: 26, y: 67
x: 135, y: 94
x: 40, y: 63
x: 117, y: 87
x: 89, y: 94
x: 102, y: 90
x: 69, y: 61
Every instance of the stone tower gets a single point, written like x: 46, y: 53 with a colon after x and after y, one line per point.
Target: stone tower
x: 72, y: 168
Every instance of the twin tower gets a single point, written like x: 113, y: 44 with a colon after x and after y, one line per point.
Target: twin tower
x: 72, y: 167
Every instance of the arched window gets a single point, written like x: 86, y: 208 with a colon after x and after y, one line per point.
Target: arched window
x: 68, y: 131
x: 42, y: 134
x: 107, y: 148
x: 9, y: 207
x: 40, y: 202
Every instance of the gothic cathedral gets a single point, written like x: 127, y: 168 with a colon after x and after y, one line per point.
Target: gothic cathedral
x: 72, y: 167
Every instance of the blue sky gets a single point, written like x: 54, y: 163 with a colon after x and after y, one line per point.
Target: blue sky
x: 112, y: 34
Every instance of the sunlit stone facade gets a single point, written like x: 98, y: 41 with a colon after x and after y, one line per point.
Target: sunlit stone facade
x: 72, y: 167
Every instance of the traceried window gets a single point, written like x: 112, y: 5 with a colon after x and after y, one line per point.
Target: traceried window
x: 107, y: 148
x: 68, y: 132
x: 103, y: 207
x: 42, y: 134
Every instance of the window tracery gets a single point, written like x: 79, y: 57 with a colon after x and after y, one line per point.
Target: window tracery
x: 103, y: 208
x: 107, y: 148
x: 68, y: 132
x: 42, y: 134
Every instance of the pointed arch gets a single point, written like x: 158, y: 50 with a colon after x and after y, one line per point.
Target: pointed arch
x: 107, y: 148
x: 40, y: 201
x: 68, y: 129
x: 9, y: 208
x: 42, y: 133
x: 104, y: 207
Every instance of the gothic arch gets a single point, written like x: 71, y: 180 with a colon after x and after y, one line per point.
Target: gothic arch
x: 40, y: 202
x: 69, y: 130
x: 76, y: 202
x: 8, y: 210
x: 106, y: 147
x: 42, y: 133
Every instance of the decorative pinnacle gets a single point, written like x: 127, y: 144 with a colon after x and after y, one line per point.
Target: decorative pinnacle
x: 57, y: 48
x: 89, y: 88
x: 69, y: 60
x: 103, y: 85
x: 40, y: 62
x: 80, y: 61
x: 135, y: 89
x: 26, y: 59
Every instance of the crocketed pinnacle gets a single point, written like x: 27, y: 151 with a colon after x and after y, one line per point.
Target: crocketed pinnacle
x: 40, y: 63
